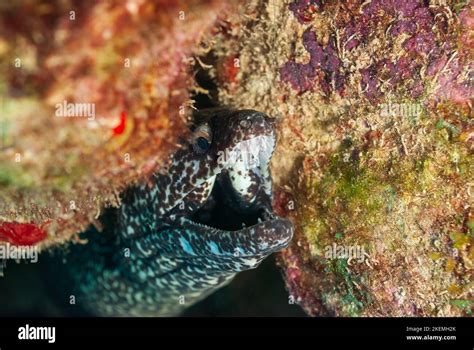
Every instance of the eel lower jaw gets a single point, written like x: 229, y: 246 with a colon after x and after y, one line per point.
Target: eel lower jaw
x: 217, y: 214
x: 262, y: 238
x: 224, y: 211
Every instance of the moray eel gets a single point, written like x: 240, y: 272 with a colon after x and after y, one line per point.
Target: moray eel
x: 187, y: 230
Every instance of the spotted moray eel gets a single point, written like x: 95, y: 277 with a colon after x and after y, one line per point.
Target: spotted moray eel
x: 188, y: 230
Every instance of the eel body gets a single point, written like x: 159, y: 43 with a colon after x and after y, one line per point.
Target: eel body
x: 187, y: 230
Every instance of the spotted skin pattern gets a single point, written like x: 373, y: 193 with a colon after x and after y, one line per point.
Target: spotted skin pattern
x: 152, y: 258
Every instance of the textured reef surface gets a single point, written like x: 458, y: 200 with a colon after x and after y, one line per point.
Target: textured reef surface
x: 374, y: 162
x: 132, y: 62
x: 373, y: 100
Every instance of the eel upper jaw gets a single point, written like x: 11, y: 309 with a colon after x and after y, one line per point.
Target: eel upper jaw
x: 235, y: 194
x: 226, y: 210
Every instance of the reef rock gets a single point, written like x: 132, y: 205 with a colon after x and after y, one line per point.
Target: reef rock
x: 93, y: 96
x: 374, y: 162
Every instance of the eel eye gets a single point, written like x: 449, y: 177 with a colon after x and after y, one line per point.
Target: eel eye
x: 202, y: 138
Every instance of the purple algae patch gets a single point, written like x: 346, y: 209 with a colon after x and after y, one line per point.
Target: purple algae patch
x: 323, y: 67
x: 403, y: 26
x: 412, y: 18
x: 426, y: 45
x: 402, y: 8
x: 421, y: 43
x: 370, y: 83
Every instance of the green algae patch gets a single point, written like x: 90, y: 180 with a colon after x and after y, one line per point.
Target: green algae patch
x: 465, y: 305
x: 15, y: 177
x: 347, y: 284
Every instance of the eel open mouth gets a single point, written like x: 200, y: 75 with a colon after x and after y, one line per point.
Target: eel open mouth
x: 229, y: 170
x: 223, y: 209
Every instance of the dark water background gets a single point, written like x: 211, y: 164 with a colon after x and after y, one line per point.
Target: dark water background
x: 24, y: 292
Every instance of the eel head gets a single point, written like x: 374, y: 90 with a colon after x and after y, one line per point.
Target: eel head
x: 219, y: 181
